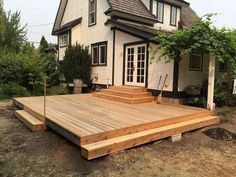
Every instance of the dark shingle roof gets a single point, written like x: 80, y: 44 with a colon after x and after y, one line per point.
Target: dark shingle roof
x: 188, y: 17
x: 69, y: 25
x: 134, y: 7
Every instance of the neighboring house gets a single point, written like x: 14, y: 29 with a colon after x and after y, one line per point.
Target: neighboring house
x: 121, y: 36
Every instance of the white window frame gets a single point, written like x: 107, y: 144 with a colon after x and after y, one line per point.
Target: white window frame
x: 92, y: 12
x: 100, y: 46
x: 63, y: 42
x: 173, y: 16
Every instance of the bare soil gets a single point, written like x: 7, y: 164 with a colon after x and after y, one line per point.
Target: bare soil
x: 23, y: 153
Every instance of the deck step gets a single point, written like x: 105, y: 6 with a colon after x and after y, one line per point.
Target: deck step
x: 125, y: 94
x: 128, y: 89
x: 33, y: 123
x: 98, y: 149
x: 145, y: 99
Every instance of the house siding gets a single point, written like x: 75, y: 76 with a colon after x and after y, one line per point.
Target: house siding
x: 158, y: 67
x: 121, y: 39
x: 195, y: 78
x: 85, y: 35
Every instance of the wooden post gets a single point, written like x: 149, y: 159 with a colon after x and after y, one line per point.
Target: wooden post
x: 211, y: 83
x: 45, y: 95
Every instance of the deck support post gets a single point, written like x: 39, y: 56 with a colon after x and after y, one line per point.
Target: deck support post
x: 211, y: 83
x: 176, y: 138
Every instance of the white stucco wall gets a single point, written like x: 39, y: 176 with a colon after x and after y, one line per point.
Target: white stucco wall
x: 158, y: 67
x: 166, y: 22
x: 85, y: 35
x: 121, y: 39
x: 195, y: 78
x: 74, y: 10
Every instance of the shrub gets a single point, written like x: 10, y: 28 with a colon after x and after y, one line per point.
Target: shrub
x: 76, y: 64
x: 57, y: 90
x: 14, y: 90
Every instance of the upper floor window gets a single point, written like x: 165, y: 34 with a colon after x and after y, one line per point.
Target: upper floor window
x: 99, y: 54
x: 173, y: 16
x: 158, y: 10
x: 196, y: 62
x: 92, y: 12
x: 64, y: 40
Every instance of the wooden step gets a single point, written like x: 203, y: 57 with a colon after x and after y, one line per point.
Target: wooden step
x: 128, y: 89
x: 125, y: 94
x: 30, y: 121
x: 98, y: 149
x: 146, y: 99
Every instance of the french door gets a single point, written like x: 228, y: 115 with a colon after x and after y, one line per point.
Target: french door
x: 135, y: 66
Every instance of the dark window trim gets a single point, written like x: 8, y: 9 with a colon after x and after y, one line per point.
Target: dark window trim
x: 104, y: 43
x: 92, y: 24
x: 224, y: 70
x: 175, y: 15
x: 190, y: 58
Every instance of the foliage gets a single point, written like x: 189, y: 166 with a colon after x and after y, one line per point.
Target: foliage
x: 76, y: 64
x: 13, y: 89
x: 222, y: 95
x: 43, y: 44
x: 202, y: 38
x: 57, y: 90
x: 12, y: 35
x: 25, y: 68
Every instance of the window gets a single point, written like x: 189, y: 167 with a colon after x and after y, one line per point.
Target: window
x: 102, y: 54
x: 92, y: 12
x: 173, y: 16
x: 158, y: 10
x: 64, y: 40
x: 99, y: 54
x: 196, y: 62
x: 223, y: 66
x: 94, y: 55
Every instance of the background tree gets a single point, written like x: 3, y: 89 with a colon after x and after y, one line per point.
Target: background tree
x: 76, y: 64
x: 43, y: 44
x: 12, y: 35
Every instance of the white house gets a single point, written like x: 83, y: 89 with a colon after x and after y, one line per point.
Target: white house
x: 121, y: 36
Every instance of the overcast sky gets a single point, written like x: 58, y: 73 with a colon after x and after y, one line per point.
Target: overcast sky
x: 39, y: 15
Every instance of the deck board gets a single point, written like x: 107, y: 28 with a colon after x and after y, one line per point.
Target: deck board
x: 87, y: 115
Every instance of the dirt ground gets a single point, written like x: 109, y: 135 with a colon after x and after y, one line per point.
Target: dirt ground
x: 23, y: 153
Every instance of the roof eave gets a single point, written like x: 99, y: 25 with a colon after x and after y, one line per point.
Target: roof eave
x: 131, y: 17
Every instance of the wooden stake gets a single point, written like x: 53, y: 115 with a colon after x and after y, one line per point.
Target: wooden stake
x: 45, y: 95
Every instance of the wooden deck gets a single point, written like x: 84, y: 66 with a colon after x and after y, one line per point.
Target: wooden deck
x: 85, y: 119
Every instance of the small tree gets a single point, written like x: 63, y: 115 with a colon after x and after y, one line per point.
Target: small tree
x: 12, y: 35
x: 76, y: 64
x: 202, y: 38
x: 43, y: 44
